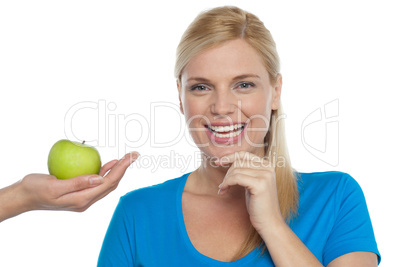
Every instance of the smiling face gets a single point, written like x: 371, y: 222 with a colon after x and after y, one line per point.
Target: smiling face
x: 227, y: 98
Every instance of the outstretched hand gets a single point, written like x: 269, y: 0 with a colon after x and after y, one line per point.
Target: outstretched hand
x: 46, y: 192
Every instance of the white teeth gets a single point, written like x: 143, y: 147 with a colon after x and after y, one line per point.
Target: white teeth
x: 232, y: 134
x: 230, y: 128
x: 234, y: 130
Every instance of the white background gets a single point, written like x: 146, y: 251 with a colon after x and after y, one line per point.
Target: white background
x: 118, y: 57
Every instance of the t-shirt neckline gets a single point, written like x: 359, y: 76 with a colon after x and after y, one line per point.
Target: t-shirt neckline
x: 183, y: 232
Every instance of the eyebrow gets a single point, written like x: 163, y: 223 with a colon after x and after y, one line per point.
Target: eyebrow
x: 239, y: 77
x: 244, y: 76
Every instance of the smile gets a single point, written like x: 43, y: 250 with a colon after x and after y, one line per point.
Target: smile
x: 226, y: 131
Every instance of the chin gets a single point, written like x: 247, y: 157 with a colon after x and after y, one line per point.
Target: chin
x: 219, y: 152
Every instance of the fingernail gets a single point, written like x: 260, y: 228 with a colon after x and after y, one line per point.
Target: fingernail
x: 95, y: 180
x: 221, y: 191
x: 134, y: 156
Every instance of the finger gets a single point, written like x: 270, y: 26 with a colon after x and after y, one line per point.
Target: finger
x: 105, y: 168
x: 118, y: 170
x: 62, y: 187
x: 252, y: 169
x: 242, y: 159
x: 82, y: 182
x: 116, y: 174
x: 244, y: 180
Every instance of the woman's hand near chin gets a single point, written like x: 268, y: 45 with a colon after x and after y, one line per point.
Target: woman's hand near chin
x: 257, y: 176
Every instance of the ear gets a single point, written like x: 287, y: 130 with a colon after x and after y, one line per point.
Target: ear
x: 276, y: 94
x: 179, y: 91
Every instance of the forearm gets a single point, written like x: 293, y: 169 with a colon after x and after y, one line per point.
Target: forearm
x: 285, y: 248
x: 12, y: 201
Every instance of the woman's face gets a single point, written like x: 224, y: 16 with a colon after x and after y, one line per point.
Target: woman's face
x: 227, y: 98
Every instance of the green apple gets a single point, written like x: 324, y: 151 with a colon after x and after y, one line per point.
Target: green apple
x: 68, y: 159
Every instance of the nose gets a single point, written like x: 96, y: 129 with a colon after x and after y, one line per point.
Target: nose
x: 224, y: 103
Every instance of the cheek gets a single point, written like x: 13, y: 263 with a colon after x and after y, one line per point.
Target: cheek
x: 258, y: 113
x: 258, y: 103
x: 256, y: 109
x: 193, y: 113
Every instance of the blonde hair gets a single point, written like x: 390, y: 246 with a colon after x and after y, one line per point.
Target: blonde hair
x: 214, y: 27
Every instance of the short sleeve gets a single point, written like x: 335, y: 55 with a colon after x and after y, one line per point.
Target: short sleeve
x: 117, y: 248
x: 352, y: 230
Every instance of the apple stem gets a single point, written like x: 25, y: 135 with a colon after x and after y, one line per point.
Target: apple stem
x: 83, y: 142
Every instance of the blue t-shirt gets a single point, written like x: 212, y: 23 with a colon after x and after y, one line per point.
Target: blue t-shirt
x: 147, y: 228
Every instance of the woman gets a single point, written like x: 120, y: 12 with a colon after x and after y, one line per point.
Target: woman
x: 245, y: 205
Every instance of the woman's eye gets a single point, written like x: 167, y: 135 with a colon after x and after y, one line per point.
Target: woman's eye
x: 246, y: 85
x: 199, y: 88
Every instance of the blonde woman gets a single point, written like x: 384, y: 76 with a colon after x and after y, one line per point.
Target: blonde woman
x: 244, y: 205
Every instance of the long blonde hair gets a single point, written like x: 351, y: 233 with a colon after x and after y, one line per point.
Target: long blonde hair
x: 214, y: 27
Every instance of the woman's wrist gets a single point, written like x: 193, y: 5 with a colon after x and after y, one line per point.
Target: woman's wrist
x: 270, y: 231
x: 285, y: 248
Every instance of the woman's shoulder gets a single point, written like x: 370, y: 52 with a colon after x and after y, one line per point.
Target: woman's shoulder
x: 333, y: 190
x: 328, y: 180
x: 324, y: 177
